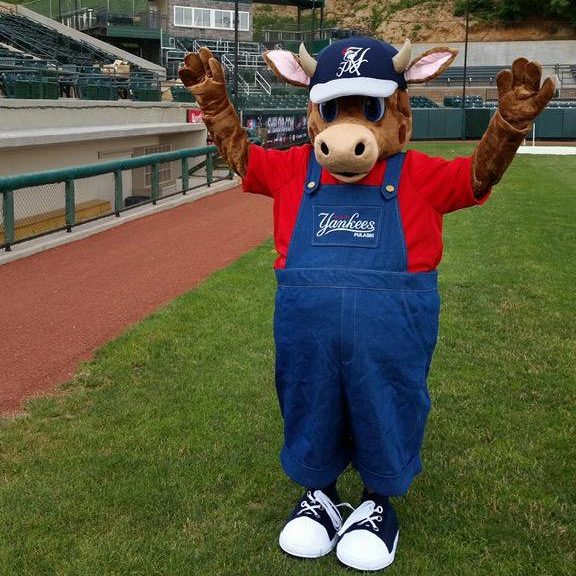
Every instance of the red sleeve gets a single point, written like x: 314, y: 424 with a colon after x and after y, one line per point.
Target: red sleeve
x: 270, y: 170
x: 445, y: 184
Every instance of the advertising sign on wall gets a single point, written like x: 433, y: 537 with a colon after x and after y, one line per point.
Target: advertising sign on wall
x: 277, y: 129
x: 194, y: 116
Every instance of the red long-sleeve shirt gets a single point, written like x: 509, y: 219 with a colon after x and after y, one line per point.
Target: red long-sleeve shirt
x: 429, y: 188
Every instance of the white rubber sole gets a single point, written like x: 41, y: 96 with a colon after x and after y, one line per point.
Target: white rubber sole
x: 368, y: 566
x: 307, y: 552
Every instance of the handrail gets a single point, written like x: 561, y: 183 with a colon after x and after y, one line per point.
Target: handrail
x: 307, y: 35
x: 263, y: 82
x: 227, y: 46
x: 68, y: 175
x: 17, y: 181
x: 229, y: 65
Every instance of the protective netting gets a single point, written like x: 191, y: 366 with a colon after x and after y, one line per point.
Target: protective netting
x: 42, y: 209
x: 38, y: 209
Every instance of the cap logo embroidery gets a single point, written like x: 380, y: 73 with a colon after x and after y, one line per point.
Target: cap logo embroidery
x: 353, y: 59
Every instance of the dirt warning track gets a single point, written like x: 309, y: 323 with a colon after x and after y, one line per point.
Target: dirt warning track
x: 58, y: 306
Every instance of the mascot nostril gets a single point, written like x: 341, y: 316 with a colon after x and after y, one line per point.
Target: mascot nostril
x: 358, y: 231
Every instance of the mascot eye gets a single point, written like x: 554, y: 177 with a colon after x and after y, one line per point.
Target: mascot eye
x: 374, y: 108
x: 329, y: 110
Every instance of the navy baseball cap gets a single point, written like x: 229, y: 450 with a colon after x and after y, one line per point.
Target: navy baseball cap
x: 355, y: 67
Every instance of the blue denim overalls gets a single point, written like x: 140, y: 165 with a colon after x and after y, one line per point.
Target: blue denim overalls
x: 355, y: 333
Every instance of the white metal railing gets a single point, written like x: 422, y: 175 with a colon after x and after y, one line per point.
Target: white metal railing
x: 196, y: 45
x: 298, y: 35
x: 179, y: 45
x: 229, y: 66
x: 227, y: 46
x: 566, y: 77
x: 227, y: 63
x: 260, y: 80
x: 174, y: 54
x: 83, y: 19
x: 251, y: 60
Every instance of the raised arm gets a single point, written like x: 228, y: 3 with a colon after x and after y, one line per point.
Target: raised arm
x: 520, y: 100
x: 202, y: 74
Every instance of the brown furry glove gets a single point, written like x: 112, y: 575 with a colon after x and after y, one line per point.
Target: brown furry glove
x: 202, y: 74
x: 520, y: 100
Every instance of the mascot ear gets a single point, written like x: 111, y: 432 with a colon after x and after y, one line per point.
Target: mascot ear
x: 286, y: 66
x: 429, y: 64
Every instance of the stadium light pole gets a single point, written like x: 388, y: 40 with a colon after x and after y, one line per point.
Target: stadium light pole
x: 465, y: 71
x: 235, y: 85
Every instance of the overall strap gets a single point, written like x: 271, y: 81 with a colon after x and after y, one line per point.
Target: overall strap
x: 391, y: 179
x: 313, y: 175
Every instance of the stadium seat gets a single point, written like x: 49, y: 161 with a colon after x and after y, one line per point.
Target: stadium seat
x: 181, y: 94
x: 65, y: 65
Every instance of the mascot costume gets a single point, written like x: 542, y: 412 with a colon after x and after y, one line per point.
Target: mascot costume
x: 358, y: 230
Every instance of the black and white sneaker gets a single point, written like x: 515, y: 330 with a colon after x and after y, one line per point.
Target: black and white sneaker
x: 369, y: 537
x: 312, y: 529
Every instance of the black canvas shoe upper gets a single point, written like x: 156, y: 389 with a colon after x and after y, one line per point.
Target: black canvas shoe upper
x: 317, y: 506
x: 377, y: 517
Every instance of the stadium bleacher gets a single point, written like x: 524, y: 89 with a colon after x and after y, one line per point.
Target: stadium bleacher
x: 422, y: 102
x: 44, y: 43
x: 39, y: 62
x: 562, y: 104
x: 280, y: 101
x: 478, y: 102
x: 299, y: 100
x: 470, y: 102
x: 475, y: 75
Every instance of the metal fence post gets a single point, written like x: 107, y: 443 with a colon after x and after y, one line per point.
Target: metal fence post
x: 209, y: 168
x: 70, y: 205
x: 185, y: 175
x: 155, y: 182
x: 118, y: 199
x: 8, y: 212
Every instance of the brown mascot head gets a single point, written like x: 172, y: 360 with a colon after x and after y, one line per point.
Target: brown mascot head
x: 359, y: 110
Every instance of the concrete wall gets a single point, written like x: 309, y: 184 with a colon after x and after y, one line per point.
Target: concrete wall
x: 24, y: 115
x: 547, y: 53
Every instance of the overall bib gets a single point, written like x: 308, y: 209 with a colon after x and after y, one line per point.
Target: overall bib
x: 354, y: 333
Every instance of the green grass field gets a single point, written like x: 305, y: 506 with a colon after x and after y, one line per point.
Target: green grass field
x: 161, y: 456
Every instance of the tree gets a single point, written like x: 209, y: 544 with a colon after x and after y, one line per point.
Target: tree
x: 518, y: 10
x: 376, y: 18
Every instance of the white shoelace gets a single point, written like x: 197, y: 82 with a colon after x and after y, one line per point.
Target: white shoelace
x: 366, y: 513
x: 319, y: 501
